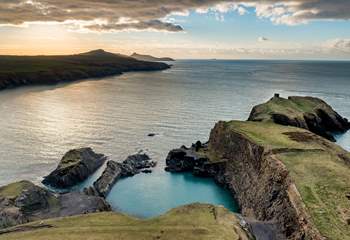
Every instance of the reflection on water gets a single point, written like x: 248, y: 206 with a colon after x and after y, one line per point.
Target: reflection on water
x: 114, y: 115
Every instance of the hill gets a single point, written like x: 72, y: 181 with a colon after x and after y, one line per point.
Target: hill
x: 211, y: 223
x: 28, y: 70
x: 151, y: 58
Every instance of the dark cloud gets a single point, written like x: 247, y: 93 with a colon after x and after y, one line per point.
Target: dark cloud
x: 107, y: 15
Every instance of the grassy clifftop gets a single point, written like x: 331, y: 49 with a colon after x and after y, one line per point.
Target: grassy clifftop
x: 319, y: 169
x: 195, y: 221
x: 305, y: 112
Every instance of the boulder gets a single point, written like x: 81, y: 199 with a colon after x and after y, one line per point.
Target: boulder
x: 75, y: 166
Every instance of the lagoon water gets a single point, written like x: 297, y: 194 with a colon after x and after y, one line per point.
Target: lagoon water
x: 114, y: 115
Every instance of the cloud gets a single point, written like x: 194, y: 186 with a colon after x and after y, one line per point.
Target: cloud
x: 342, y: 45
x: 262, y: 39
x: 106, y: 15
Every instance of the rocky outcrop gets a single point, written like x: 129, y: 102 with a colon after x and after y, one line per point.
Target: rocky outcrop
x: 304, y: 112
x: 17, y: 71
x: 133, y: 164
x: 195, y: 160
x: 24, y: 202
x: 75, y: 166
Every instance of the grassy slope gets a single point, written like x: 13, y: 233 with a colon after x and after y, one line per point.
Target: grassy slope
x: 196, y: 221
x: 13, y: 190
x: 321, y: 176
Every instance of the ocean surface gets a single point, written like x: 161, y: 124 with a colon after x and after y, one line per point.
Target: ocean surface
x: 114, y: 116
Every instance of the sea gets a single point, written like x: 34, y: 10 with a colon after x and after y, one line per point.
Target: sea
x: 114, y: 116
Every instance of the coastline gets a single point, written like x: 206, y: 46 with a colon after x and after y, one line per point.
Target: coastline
x: 17, y: 71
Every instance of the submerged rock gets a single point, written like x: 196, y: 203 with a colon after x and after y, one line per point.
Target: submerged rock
x: 133, y: 164
x: 305, y: 112
x: 23, y: 202
x: 75, y: 166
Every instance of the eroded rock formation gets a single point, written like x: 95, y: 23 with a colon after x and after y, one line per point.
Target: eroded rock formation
x: 75, y: 166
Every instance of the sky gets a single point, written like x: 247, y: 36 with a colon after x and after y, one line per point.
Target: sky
x: 182, y: 29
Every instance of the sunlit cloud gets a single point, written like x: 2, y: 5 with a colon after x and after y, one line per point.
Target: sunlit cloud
x: 152, y: 15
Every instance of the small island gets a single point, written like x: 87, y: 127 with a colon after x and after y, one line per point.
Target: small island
x: 150, y: 58
x: 42, y: 70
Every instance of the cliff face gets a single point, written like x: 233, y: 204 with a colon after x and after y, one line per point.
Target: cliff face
x: 304, y: 112
x: 285, y: 176
x: 33, y: 70
x: 261, y: 183
x: 288, y: 176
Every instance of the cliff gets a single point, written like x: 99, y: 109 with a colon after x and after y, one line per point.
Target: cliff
x: 278, y: 174
x: 304, y: 112
x: 191, y: 222
x: 33, y: 70
x: 151, y: 58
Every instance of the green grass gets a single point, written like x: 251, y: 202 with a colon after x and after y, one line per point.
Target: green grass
x: 295, y: 107
x: 195, y: 221
x: 321, y: 176
x: 13, y: 190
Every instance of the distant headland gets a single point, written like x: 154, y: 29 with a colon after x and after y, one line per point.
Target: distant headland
x: 151, y: 58
x: 34, y: 70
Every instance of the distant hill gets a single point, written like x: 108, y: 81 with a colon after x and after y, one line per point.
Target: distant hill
x: 151, y: 58
x: 28, y: 70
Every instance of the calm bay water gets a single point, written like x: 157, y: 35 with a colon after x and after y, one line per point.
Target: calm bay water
x: 114, y: 115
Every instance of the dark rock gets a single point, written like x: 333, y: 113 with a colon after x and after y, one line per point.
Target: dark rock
x: 186, y: 159
x: 75, y: 166
x: 109, y: 177
x: 24, y: 202
x: 132, y: 165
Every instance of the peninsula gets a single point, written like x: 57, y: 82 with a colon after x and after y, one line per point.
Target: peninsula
x: 38, y: 70
x: 150, y: 58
